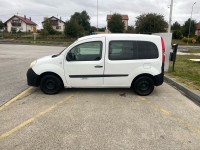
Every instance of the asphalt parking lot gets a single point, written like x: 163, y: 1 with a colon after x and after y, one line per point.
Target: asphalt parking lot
x: 92, y: 118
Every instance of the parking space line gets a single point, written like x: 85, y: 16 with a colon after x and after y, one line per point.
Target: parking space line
x: 169, y: 114
x: 15, y: 98
x: 36, y: 116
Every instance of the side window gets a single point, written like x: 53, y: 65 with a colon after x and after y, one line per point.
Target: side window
x: 90, y: 51
x: 122, y: 50
x: 131, y: 50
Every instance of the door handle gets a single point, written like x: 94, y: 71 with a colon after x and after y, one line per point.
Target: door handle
x: 98, y: 66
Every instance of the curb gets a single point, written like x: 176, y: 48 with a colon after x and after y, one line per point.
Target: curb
x: 187, y: 92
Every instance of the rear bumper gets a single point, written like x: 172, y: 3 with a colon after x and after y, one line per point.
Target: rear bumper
x: 158, y: 79
x: 32, y: 78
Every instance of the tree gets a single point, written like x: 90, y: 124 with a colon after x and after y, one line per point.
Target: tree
x: 47, y: 26
x: 130, y: 29
x: 176, y: 26
x: 82, y: 19
x: 73, y: 29
x: 177, y: 34
x: 150, y: 23
x: 177, y: 30
x: 115, y: 24
x: 186, y: 25
x: 1, y: 25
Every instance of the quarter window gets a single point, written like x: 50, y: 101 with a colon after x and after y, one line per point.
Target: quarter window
x: 90, y: 51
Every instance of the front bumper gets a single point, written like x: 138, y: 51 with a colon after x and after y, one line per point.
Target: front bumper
x: 32, y: 78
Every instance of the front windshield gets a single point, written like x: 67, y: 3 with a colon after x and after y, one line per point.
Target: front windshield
x: 63, y: 50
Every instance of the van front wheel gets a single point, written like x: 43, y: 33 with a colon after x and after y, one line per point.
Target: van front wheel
x: 50, y: 84
x: 143, y: 86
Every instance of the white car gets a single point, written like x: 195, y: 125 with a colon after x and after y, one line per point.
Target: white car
x: 103, y: 61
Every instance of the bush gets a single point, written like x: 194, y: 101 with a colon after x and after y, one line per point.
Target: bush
x: 44, y: 32
x: 186, y: 39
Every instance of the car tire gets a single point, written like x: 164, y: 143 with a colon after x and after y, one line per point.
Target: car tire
x: 50, y: 84
x: 143, y: 86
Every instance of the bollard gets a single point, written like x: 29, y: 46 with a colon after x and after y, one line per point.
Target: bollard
x: 173, y: 55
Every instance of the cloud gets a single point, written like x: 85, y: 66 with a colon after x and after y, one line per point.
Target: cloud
x: 38, y: 9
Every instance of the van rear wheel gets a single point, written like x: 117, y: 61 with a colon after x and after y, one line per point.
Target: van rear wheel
x: 50, y: 84
x: 143, y: 86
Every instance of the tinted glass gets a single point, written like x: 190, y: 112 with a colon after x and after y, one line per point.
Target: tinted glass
x: 129, y: 50
x: 147, y: 50
x: 90, y: 51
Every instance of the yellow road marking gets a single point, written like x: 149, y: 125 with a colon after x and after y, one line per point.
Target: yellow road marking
x: 15, y: 98
x: 35, y: 117
x: 171, y: 115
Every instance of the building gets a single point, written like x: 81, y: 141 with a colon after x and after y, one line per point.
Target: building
x: 124, y: 19
x: 19, y: 23
x: 198, y: 29
x: 57, y: 24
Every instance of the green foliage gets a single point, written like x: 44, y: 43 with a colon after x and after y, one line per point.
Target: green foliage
x: 198, y: 39
x: 186, y: 25
x: 73, y: 29
x: 115, y: 24
x: 13, y: 30
x: 44, y: 32
x: 130, y: 29
x: 47, y: 26
x: 176, y: 26
x: 150, y: 23
x: 82, y: 19
x: 101, y: 29
x: 186, y: 39
x: 177, y: 34
x: 93, y: 29
x: 1, y: 25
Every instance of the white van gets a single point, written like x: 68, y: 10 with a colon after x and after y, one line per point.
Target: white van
x: 103, y: 61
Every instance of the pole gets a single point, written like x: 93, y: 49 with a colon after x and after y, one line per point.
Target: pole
x: 170, y: 16
x: 97, y: 15
x: 190, y: 22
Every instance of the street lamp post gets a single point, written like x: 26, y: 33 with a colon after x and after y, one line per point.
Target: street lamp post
x: 190, y: 22
x: 97, y: 15
x: 170, y: 17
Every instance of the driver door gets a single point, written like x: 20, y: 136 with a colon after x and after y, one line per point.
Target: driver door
x: 84, y: 63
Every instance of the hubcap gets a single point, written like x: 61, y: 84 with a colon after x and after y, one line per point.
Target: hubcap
x: 50, y: 85
x: 144, y: 86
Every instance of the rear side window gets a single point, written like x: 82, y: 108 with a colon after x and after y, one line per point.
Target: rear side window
x: 131, y: 50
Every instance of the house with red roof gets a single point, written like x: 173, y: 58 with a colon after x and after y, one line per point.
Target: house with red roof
x: 57, y: 24
x: 22, y: 24
x: 198, y: 29
x: 124, y: 19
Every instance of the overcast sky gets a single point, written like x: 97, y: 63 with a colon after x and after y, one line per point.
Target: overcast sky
x: 38, y: 9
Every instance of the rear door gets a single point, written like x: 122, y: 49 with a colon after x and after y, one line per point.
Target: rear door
x: 84, y: 64
x: 126, y: 59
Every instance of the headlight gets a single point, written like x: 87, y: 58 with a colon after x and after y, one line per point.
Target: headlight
x: 33, y: 63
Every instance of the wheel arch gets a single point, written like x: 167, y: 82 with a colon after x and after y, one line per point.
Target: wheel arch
x: 51, y: 73
x: 143, y: 75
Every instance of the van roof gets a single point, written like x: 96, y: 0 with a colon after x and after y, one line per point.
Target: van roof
x: 119, y: 35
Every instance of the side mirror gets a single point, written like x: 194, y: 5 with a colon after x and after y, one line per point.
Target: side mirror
x: 71, y: 57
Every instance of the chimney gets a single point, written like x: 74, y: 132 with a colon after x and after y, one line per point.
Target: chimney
x: 30, y: 18
x: 60, y: 19
x: 25, y: 17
